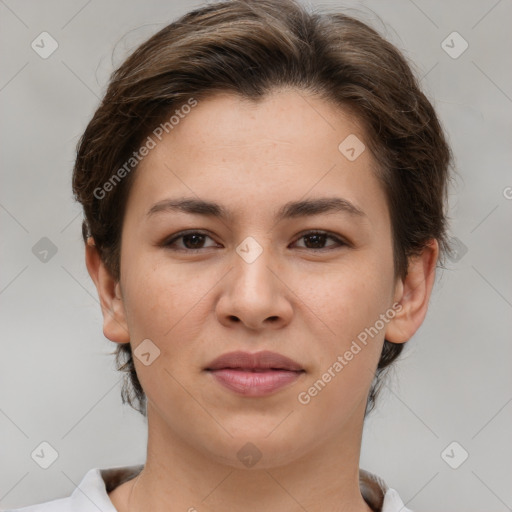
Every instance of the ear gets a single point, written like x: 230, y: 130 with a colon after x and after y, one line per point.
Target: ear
x: 115, y: 327
x: 413, y: 293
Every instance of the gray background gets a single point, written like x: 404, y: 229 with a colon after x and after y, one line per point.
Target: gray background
x: 57, y: 378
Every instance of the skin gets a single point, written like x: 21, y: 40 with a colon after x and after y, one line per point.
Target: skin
x: 305, y: 303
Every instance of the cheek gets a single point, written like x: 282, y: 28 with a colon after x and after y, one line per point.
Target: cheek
x: 348, y: 298
x: 170, y: 305
x: 350, y: 303
x: 166, y: 305
x: 348, y: 351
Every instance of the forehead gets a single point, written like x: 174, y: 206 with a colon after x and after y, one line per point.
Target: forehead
x: 280, y: 148
x: 226, y: 123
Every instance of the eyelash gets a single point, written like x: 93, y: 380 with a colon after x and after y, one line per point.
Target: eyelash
x: 168, y: 243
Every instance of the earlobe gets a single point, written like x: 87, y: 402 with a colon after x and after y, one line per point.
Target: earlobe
x: 413, y: 294
x: 115, y: 327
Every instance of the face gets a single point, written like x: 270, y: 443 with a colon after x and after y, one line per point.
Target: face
x: 302, y: 282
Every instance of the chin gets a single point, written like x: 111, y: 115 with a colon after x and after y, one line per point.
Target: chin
x: 257, y: 449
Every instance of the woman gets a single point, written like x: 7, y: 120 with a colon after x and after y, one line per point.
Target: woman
x: 264, y: 193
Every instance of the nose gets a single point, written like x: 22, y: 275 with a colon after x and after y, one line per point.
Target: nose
x: 255, y: 293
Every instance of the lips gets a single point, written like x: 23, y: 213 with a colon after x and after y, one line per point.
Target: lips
x: 259, y: 361
x: 254, y: 375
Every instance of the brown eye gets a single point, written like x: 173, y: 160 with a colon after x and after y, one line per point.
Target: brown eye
x: 194, y: 241
x: 315, y: 240
x: 191, y: 241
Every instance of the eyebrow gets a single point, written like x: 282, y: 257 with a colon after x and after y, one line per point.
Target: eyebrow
x: 292, y: 209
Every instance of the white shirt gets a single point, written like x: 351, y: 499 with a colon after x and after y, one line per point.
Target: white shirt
x: 91, y: 493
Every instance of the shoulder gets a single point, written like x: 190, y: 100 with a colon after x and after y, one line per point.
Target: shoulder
x: 393, y: 502
x: 90, y: 495
x: 378, y: 495
x: 90, y: 487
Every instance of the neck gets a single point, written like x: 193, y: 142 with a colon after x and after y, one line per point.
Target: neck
x: 325, y: 478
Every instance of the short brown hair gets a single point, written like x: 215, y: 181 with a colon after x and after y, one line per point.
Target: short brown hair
x: 250, y: 47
